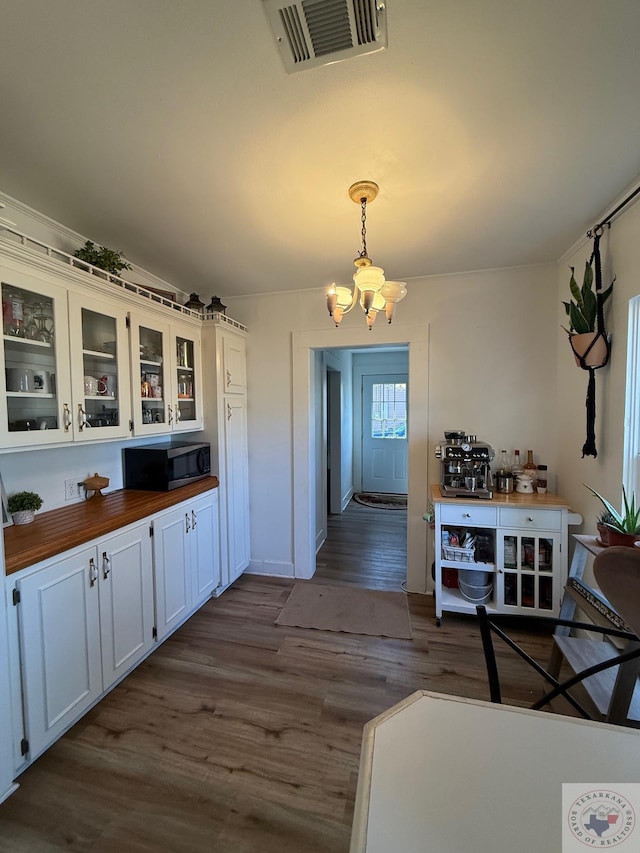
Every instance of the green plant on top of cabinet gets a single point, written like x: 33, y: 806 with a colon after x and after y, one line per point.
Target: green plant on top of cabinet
x: 166, y: 375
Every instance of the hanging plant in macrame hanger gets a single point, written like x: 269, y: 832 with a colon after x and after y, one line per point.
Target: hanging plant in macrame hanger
x: 588, y: 338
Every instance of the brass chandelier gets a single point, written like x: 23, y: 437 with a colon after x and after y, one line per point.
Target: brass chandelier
x: 370, y: 286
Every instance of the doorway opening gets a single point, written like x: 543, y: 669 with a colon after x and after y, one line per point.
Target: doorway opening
x: 309, y: 501
x: 365, y: 405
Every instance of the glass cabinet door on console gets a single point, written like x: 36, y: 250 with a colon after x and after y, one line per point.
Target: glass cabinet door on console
x: 99, y: 369
x: 527, y: 577
x: 35, y: 365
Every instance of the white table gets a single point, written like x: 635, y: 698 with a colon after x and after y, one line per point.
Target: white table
x: 441, y: 774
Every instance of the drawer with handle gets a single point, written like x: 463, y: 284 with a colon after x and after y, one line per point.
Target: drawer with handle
x: 535, y: 519
x: 469, y: 514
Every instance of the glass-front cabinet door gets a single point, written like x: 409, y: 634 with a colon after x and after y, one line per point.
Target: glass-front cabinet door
x: 166, y: 386
x: 187, y: 387
x: 527, y: 577
x: 99, y: 369
x: 36, y: 405
x: 151, y: 382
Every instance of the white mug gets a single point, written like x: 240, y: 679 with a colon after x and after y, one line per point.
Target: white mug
x: 42, y: 381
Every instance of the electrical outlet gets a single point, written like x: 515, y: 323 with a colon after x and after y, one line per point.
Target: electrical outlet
x: 71, y: 489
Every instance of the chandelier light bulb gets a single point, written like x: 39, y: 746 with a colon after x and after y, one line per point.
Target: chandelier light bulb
x: 332, y: 299
x: 393, y: 292
x: 337, y: 316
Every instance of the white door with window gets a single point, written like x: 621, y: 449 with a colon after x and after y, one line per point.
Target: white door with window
x: 384, y: 433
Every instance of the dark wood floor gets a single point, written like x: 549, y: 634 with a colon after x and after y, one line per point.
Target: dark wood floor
x: 238, y: 735
x: 365, y: 547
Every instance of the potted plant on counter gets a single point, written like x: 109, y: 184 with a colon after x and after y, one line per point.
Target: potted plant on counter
x: 586, y: 340
x: 624, y: 526
x: 23, y: 505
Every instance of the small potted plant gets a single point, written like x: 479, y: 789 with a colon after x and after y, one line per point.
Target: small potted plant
x: 582, y: 312
x: 624, y: 528
x: 103, y: 258
x: 23, y: 505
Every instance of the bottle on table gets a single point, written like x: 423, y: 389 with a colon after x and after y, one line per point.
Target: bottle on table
x: 530, y: 467
x: 516, y: 468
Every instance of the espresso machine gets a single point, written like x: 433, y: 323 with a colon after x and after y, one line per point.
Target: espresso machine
x: 465, y: 466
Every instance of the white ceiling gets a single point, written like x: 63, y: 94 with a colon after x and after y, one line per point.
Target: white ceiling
x: 498, y: 131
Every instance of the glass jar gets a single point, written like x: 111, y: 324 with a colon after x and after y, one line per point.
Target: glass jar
x: 542, y: 479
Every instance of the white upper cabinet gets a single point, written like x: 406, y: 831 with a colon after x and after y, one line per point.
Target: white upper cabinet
x: 99, y: 369
x: 65, y: 360
x: 36, y: 405
x: 166, y: 376
x: 234, y: 364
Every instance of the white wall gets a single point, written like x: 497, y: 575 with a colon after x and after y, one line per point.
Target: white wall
x: 491, y: 367
x: 620, y: 249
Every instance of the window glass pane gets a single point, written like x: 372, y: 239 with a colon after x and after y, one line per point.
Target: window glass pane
x: 389, y: 410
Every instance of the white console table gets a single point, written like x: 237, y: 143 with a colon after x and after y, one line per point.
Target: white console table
x: 442, y: 774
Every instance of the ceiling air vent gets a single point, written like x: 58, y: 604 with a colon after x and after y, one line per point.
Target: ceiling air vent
x: 319, y: 32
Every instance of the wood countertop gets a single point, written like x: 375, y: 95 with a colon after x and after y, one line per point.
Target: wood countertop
x: 515, y: 499
x: 60, y: 529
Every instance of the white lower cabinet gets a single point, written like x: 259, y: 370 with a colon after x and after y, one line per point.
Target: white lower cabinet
x: 186, y: 560
x: 83, y: 620
x: 516, y: 561
x: 126, y: 601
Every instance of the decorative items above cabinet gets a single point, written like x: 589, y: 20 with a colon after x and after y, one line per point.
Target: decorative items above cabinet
x: 79, y: 365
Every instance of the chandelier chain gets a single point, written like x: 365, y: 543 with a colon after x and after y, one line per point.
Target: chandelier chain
x: 363, y: 219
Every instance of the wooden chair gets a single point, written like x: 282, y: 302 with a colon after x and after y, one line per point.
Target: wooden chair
x: 607, y: 667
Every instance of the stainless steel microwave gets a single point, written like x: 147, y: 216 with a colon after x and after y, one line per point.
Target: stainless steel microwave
x: 166, y: 466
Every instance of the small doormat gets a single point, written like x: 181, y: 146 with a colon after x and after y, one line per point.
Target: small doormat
x: 348, y: 609
x: 381, y: 501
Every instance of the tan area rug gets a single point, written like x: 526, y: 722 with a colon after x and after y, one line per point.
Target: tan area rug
x: 341, y: 608
x: 381, y: 501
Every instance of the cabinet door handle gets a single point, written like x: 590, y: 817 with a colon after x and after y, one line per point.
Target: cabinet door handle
x: 229, y: 412
x: 106, y: 565
x: 82, y: 418
x: 466, y: 515
x: 66, y: 416
x: 228, y: 378
x: 170, y: 415
x: 186, y: 522
x: 194, y: 519
x: 529, y: 519
x: 93, y: 572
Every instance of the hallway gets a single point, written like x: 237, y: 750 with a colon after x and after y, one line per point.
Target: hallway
x: 365, y: 547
